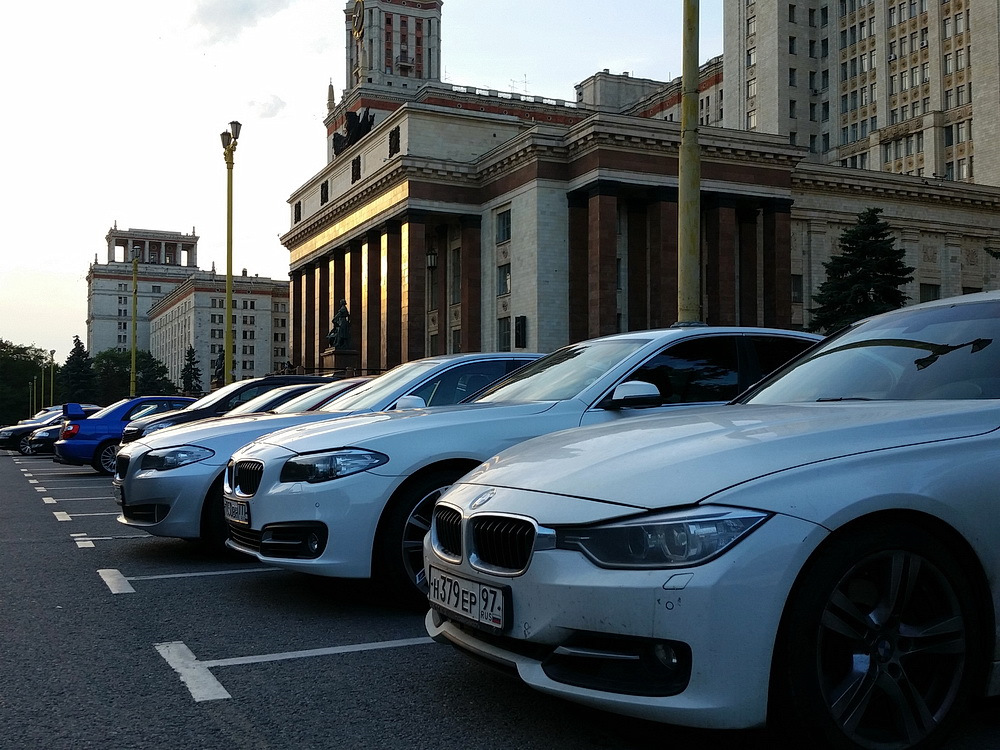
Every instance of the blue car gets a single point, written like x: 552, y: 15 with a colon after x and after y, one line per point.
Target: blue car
x: 94, y: 440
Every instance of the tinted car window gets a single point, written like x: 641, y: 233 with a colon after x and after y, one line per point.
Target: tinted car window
x: 147, y: 409
x: 705, y: 369
x: 774, y: 351
x: 243, y: 397
x: 453, y: 385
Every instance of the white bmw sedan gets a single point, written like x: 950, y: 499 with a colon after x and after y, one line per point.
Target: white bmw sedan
x: 169, y: 483
x: 823, y: 554
x: 352, y: 497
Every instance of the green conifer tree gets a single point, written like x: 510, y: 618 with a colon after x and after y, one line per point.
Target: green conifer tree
x: 865, y: 279
x: 191, y: 374
x: 76, y: 377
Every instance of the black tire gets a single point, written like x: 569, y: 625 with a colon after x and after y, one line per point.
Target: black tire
x: 24, y: 446
x: 398, y: 563
x: 214, y: 530
x: 104, y: 458
x: 880, y: 645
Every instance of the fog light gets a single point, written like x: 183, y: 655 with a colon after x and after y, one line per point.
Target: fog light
x: 666, y: 656
x: 312, y: 542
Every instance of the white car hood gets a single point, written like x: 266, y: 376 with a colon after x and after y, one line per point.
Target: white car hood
x: 359, y: 429
x: 656, y: 462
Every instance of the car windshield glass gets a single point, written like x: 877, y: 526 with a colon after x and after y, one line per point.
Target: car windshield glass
x: 308, y: 401
x: 215, y: 396
x: 562, y: 374
x: 939, y: 352
x: 257, y: 403
x: 107, y: 409
x: 147, y: 410
x: 373, y: 395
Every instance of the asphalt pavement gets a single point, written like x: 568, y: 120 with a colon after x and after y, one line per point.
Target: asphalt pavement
x: 110, y: 638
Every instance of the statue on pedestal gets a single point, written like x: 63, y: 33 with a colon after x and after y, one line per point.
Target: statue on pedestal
x: 339, y: 336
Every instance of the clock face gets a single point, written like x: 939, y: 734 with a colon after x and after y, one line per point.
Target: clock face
x: 359, y: 17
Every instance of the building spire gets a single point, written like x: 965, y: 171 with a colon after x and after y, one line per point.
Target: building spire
x: 331, y: 98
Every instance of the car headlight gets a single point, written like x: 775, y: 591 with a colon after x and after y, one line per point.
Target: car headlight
x: 666, y: 540
x: 5, y: 434
x: 322, y: 467
x: 170, y: 458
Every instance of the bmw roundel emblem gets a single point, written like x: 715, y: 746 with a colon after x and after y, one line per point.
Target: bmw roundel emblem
x: 484, y: 498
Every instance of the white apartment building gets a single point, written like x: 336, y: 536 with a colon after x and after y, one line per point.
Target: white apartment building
x: 194, y: 314
x: 883, y: 85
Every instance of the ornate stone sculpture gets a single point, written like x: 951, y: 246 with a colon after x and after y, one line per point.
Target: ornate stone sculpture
x: 339, y: 336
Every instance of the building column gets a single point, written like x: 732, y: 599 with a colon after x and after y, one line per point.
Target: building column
x: 322, y: 297
x: 442, y: 302
x: 309, y: 361
x: 390, y: 296
x: 371, y: 307
x: 720, y: 262
x: 413, y: 288
x: 472, y: 292
x: 602, y: 241
x: 353, y: 292
x: 747, y: 267
x: 296, y: 319
x: 638, y: 267
x: 951, y: 267
x: 662, y: 217
x: 777, y: 263
x: 577, y: 268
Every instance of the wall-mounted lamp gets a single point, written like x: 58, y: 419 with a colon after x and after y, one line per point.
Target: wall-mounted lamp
x: 432, y: 259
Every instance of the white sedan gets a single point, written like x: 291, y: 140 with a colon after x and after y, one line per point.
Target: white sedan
x: 352, y: 497
x: 823, y: 555
x: 169, y: 482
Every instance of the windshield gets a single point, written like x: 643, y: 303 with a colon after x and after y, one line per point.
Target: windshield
x: 374, y: 394
x: 928, y: 353
x: 562, y: 374
x: 308, y: 401
x: 263, y: 401
x: 108, y: 409
x: 215, y: 396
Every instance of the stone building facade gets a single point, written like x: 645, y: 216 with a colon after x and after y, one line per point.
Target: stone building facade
x: 465, y: 219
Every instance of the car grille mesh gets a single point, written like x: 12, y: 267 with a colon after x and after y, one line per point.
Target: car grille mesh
x: 121, y: 465
x: 246, y: 476
x: 245, y: 537
x: 503, y: 542
x: 448, y: 528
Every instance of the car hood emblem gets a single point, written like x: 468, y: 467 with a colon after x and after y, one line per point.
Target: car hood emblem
x: 483, y: 498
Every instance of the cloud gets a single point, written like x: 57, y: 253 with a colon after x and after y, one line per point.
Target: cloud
x: 225, y: 20
x: 269, y: 107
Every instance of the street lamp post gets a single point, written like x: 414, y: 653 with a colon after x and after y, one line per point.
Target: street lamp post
x: 31, y: 398
x: 136, y: 249
x: 41, y: 395
x: 229, y: 139
x: 52, y: 376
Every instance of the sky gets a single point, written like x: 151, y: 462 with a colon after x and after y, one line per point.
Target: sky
x: 114, y: 109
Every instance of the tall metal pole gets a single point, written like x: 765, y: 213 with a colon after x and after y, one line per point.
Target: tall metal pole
x: 41, y: 401
x: 229, y: 139
x: 52, y: 376
x: 135, y: 316
x: 689, y: 178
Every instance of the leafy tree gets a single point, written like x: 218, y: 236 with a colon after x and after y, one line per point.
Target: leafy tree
x: 865, y: 279
x: 191, y: 374
x: 76, y: 376
x: 113, y: 369
x: 20, y: 371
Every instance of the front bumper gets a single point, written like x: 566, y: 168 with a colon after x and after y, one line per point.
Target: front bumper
x: 343, y: 513
x: 722, y: 617
x: 74, y: 454
x: 163, y: 503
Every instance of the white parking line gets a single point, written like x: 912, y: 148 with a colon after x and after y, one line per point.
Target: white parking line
x: 117, y: 582
x: 203, y: 685
x: 49, y: 500
x: 61, y: 515
x: 32, y: 481
x: 95, y: 497
x: 83, y: 540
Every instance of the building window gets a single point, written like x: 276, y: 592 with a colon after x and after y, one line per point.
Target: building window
x: 751, y: 25
x: 791, y: 45
x: 792, y: 77
x: 751, y: 88
x: 752, y: 119
x: 394, y: 145
x: 324, y: 192
x: 156, y: 289
x: 796, y: 288
x: 751, y: 57
x: 930, y: 292
x: 455, y: 282
x: 791, y: 108
x: 355, y: 169
x: 503, y: 280
x: 503, y: 226
x: 503, y: 334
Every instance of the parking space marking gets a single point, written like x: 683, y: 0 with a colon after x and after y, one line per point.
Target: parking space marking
x: 203, y: 685
x: 32, y: 481
x: 62, y: 515
x: 95, y: 497
x: 84, y: 540
x: 49, y: 500
x: 41, y: 489
x: 78, y: 487
x: 116, y: 581
x: 121, y: 581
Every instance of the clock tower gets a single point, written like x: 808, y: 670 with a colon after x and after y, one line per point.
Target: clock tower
x: 393, y: 43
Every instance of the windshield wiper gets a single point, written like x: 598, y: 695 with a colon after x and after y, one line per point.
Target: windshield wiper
x: 843, y: 398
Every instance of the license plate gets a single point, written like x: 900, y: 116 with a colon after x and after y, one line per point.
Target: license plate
x: 236, y: 511
x: 479, y: 602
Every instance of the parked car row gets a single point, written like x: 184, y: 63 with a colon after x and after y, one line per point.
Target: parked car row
x: 647, y: 523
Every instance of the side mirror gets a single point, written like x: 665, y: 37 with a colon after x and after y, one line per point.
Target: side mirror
x: 633, y: 394
x: 73, y: 411
x: 409, y: 402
